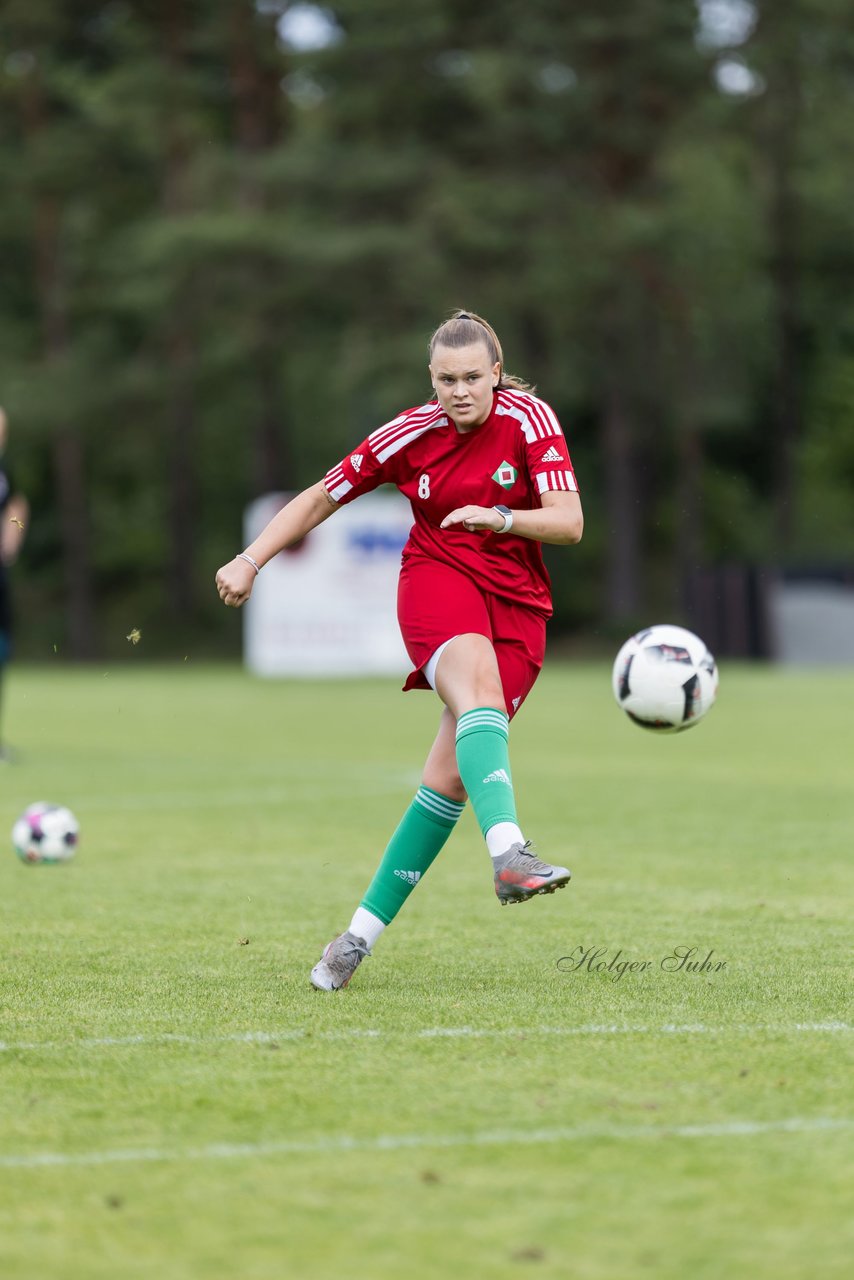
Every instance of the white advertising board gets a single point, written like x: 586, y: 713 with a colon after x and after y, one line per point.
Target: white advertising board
x: 813, y: 622
x: 327, y: 607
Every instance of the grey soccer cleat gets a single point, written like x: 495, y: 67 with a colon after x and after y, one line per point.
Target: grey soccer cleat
x: 340, y: 960
x: 519, y: 875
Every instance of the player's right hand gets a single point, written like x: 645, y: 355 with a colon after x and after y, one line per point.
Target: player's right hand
x: 234, y: 582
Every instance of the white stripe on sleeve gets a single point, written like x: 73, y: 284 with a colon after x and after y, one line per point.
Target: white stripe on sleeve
x: 556, y: 481
x: 339, y: 490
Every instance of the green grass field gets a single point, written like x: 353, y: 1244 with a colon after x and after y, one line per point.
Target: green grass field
x: 176, y: 1101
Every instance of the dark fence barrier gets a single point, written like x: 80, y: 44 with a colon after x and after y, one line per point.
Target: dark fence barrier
x: 729, y: 606
x: 794, y: 614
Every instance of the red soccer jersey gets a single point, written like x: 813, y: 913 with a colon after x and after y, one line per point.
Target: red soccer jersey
x: 515, y: 456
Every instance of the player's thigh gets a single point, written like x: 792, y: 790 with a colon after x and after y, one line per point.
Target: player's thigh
x: 467, y: 675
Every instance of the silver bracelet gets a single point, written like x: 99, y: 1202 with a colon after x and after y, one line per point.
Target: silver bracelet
x: 241, y: 555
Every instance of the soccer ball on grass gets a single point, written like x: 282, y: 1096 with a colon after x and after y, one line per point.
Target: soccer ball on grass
x: 665, y: 679
x: 46, y: 833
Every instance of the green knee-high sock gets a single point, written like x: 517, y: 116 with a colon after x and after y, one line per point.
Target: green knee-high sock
x: 416, y: 843
x: 484, y: 764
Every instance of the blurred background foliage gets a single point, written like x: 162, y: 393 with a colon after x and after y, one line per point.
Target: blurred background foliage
x: 228, y: 230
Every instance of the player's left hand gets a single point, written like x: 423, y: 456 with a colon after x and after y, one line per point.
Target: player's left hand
x: 474, y: 519
x: 234, y: 582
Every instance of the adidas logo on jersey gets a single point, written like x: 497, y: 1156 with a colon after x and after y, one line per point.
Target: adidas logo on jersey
x: 356, y: 461
x: 552, y: 455
x: 411, y: 877
x: 500, y: 775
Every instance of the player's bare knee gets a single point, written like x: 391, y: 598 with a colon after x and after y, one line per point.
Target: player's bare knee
x: 490, y: 694
x: 483, y: 689
x: 447, y: 782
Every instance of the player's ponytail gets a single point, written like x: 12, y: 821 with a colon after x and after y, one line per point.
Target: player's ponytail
x: 464, y: 329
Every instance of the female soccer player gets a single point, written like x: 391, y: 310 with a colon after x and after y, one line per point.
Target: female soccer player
x: 487, y: 471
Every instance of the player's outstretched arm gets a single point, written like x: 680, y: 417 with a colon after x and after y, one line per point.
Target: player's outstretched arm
x: 234, y: 581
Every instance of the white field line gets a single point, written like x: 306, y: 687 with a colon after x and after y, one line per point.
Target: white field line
x: 425, y: 1141
x: 308, y: 1035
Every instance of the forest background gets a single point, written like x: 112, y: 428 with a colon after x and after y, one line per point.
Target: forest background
x: 228, y: 230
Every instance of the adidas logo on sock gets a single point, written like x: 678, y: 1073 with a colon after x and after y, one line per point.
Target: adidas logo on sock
x: 411, y: 877
x: 552, y: 455
x: 500, y: 775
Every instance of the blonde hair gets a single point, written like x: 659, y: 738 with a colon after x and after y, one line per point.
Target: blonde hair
x: 464, y: 329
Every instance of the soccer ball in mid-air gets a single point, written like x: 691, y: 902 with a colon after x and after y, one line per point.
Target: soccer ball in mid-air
x: 664, y: 678
x: 46, y: 833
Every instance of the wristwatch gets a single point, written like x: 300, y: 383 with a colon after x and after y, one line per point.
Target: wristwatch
x: 508, y: 517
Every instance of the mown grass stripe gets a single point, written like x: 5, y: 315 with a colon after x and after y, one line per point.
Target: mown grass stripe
x: 425, y: 1033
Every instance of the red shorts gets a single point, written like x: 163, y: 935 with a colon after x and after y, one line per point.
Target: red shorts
x: 436, y: 602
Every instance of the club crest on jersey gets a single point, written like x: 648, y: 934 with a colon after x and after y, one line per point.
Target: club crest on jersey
x: 505, y: 475
x: 356, y: 461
